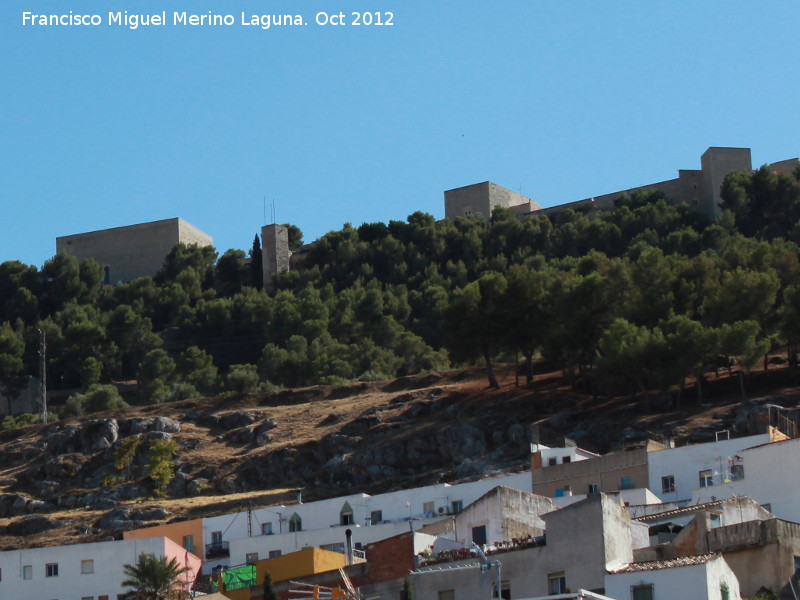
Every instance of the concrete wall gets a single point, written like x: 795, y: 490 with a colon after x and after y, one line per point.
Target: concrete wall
x: 685, y: 463
x: 506, y: 513
x: 694, y: 582
x: 605, y: 471
x: 132, y: 251
x: 480, y: 199
x: 107, y: 573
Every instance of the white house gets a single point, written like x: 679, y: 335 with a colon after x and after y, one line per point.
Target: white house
x: 704, y: 577
x: 81, y: 571
x: 766, y: 472
x: 674, y: 473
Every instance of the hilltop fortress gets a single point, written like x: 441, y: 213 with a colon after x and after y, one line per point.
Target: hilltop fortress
x: 698, y: 188
x: 137, y: 250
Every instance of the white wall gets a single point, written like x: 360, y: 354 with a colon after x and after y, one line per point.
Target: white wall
x: 686, y: 462
x: 769, y: 478
x: 70, y: 584
x: 697, y: 582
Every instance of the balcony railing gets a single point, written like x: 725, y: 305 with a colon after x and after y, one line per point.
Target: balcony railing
x: 218, y: 550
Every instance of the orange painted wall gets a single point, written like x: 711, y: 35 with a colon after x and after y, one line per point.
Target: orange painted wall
x: 308, y: 561
x: 173, y: 531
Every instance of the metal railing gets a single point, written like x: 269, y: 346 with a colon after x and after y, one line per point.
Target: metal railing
x: 218, y: 550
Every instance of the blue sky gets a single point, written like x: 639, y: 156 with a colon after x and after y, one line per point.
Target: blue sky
x: 105, y: 126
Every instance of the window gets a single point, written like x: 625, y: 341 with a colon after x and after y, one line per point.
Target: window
x: 188, y: 542
x: 642, y: 592
x: 251, y: 557
x: 429, y: 508
x: 216, y: 538
x: 274, y: 553
x: 102, y: 597
x: 295, y: 523
x: 567, y: 459
x: 594, y: 488
x: 626, y: 483
x: 375, y: 517
x: 27, y: 572
x: 556, y: 583
x: 51, y: 570
x: 552, y: 461
x: 797, y: 567
x: 458, y: 506
x: 716, y: 521
x: 668, y: 484
x: 724, y: 592
x: 87, y: 567
x: 346, y: 515
x: 737, y: 472
x: 706, y: 478
x: 447, y: 595
x: 87, y: 597
x: 479, y: 535
x: 266, y: 528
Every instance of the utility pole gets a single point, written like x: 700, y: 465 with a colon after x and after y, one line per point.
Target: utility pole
x: 43, y: 373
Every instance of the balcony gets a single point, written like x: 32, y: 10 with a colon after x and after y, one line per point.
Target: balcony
x: 218, y: 550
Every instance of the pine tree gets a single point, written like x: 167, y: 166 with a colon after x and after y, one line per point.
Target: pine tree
x: 269, y: 588
x: 256, y: 265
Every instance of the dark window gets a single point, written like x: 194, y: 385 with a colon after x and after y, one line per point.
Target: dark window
x: 458, y: 506
x: 797, y: 567
x: 552, y: 461
x: 505, y: 590
x: 642, y: 592
x: 295, y: 523
x: 737, y: 472
x: 668, y: 484
x: 567, y: 459
x: 626, y: 483
x: 51, y: 570
x: 594, y: 488
x: 479, y: 535
x: 375, y: 517
x: 706, y: 478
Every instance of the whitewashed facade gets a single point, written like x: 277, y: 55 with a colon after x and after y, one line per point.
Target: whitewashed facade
x: 768, y: 476
x: 322, y: 523
x: 674, y: 473
x: 692, y: 578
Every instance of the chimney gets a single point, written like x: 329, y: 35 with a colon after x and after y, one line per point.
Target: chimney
x: 349, y: 546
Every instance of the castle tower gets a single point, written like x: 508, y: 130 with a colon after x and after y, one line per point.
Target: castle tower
x: 274, y: 252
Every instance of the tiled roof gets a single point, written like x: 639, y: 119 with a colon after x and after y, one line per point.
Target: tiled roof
x: 655, y: 565
x: 679, y: 511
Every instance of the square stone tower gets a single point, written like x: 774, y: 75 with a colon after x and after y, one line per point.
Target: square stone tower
x: 275, y: 252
